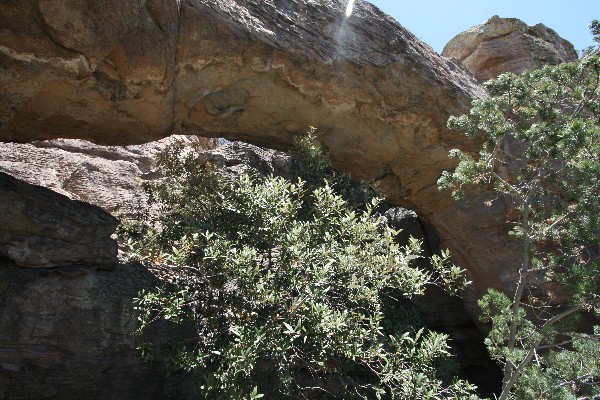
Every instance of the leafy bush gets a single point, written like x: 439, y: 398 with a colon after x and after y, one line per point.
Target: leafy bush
x: 312, y: 164
x: 282, y: 286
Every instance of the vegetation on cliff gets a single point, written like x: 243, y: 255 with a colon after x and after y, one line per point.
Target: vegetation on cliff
x: 283, y: 284
x: 541, y: 155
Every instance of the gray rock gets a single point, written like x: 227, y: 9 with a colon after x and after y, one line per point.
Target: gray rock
x: 106, y: 176
x: 238, y: 157
x: 41, y: 228
x: 66, y: 333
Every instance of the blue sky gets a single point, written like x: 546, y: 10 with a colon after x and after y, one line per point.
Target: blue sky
x: 437, y: 21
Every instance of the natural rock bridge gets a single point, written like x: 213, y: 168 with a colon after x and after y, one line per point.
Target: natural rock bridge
x: 124, y: 72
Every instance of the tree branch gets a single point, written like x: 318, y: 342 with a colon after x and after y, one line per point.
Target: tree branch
x: 532, y: 351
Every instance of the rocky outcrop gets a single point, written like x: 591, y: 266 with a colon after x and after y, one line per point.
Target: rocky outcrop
x: 106, y: 176
x: 118, y: 72
x: 66, y: 333
x: 508, y: 45
x: 41, y: 228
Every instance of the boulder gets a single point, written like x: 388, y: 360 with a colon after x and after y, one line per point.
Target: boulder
x: 41, y: 228
x: 106, y: 176
x: 502, y: 45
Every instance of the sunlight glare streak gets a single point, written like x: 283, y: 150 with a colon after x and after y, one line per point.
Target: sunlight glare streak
x: 349, y: 8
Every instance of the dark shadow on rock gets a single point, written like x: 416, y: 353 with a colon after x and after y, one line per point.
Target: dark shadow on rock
x: 446, y: 313
x: 42, y: 228
x: 66, y: 333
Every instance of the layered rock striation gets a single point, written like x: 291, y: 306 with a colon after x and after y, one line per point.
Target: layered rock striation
x: 66, y: 333
x: 43, y: 229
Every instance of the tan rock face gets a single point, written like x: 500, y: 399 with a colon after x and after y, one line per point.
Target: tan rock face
x: 123, y: 72
x: 58, y: 62
x: 259, y: 70
x: 508, y: 45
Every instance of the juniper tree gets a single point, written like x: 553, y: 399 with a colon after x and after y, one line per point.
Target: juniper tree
x: 541, y: 155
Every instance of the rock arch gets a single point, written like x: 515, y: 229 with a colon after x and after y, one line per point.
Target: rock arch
x: 124, y: 72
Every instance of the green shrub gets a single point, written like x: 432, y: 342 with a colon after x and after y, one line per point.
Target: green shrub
x: 282, y: 286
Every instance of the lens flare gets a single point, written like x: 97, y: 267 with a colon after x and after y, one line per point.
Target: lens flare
x: 349, y: 8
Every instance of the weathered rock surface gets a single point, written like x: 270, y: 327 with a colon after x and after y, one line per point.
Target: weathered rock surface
x: 106, y: 176
x: 508, y: 45
x: 66, y: 333
x: 41, y: 228
x: 237, y: 158
x: 119, y: 72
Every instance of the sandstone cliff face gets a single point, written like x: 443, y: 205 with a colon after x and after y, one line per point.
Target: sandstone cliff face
x: 57, y: 61
x: 508, y: 45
